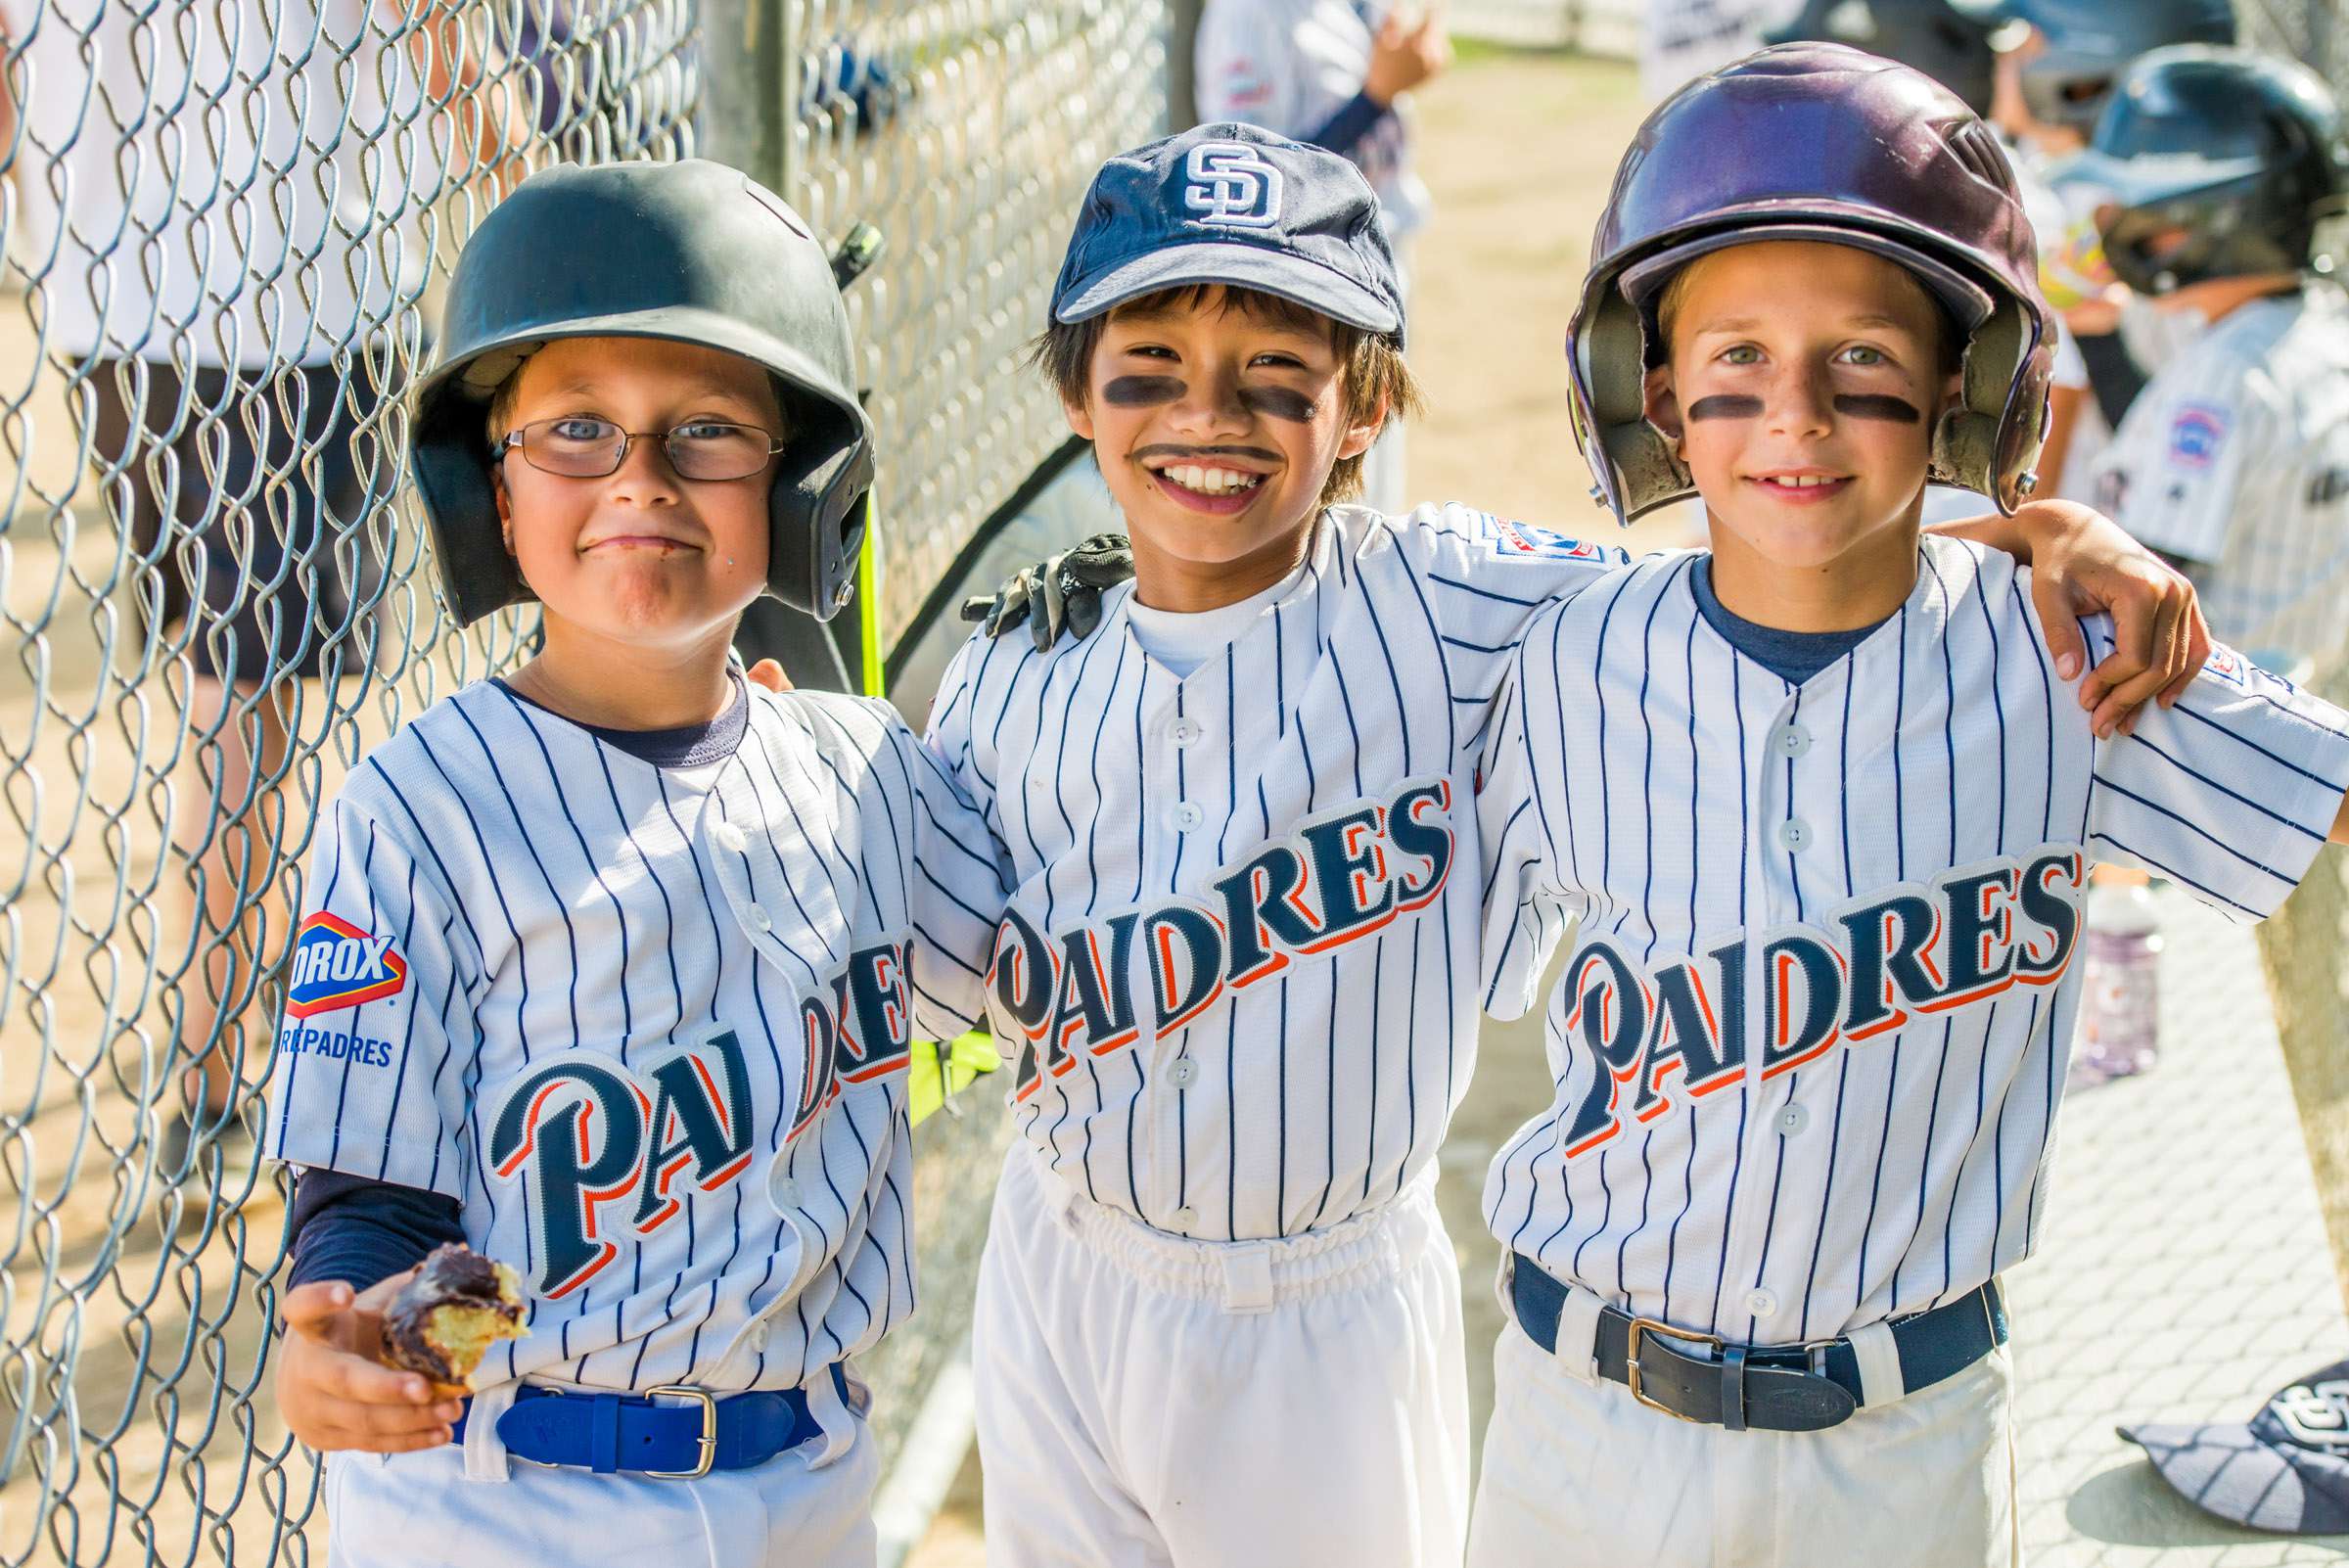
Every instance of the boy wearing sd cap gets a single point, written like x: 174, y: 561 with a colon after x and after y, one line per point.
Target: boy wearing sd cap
x: 1218, y: 1317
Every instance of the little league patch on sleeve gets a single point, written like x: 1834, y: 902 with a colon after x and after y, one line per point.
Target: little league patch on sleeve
x: 1513, y: 541
x: 2195, y: 435
x: 337, y: 965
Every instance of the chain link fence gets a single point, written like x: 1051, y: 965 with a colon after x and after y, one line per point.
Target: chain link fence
x: 2315, y: 32
x: 226, y: 224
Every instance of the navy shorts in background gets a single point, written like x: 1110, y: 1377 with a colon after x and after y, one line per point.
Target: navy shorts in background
x: 273, y: 566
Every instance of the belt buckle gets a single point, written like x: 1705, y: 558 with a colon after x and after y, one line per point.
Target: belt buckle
x: 707, y: 1442
x: 1640, y: 1327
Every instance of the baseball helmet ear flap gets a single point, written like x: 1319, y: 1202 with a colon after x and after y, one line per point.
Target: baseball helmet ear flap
x: 823, y: 484
x: 1988, y: 440
x: 1632, y: 460
x: 449, y: 458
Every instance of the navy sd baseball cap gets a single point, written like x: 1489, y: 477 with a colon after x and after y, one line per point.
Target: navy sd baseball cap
x: 1234, y: 204
x: 2287, y: 1471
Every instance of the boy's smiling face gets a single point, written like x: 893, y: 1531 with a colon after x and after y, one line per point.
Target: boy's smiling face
x: 639, y: 557
x: 1802, y: 390
x: 1215, y: 418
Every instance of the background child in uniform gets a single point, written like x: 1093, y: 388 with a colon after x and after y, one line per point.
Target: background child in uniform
x: 2212, y: 176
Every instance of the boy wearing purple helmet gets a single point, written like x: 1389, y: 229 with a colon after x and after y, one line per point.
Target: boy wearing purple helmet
x: 1812, y: 806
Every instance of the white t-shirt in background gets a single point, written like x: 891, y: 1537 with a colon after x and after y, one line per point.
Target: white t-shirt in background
x: 210, y: 185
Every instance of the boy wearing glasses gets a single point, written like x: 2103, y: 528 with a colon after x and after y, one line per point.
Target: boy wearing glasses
x: 609, y: 966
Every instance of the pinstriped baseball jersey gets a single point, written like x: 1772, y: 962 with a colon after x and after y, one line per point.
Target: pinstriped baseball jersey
x: 647, y: 1025
x: 1810, y: 1039
x: 2236, y: 457
x: 1238, y: 964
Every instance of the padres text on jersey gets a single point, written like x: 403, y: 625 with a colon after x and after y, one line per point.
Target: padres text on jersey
x: 1237, y: 968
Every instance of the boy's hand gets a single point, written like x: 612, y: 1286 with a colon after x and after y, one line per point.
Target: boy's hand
x: 1064, y: 591
x: 1406, y: 52
x: 2083, y: 563
x: 332, y: 1388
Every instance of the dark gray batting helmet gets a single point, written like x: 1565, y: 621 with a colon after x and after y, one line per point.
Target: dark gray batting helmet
x: 1817, y: 142
x: 1947, y: 42
x: 2213, y: 163
x: 693, y: 253
x: 2086, y: 45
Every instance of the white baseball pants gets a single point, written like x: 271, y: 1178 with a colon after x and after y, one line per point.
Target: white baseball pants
x: 1578, y: 1473
x: 1147, y: 1400
x: 422, y: 1511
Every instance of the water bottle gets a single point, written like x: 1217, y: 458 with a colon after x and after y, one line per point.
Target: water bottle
x: 2120, y: 1017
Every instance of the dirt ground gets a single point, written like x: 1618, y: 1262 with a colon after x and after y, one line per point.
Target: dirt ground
x: 1518, y: 150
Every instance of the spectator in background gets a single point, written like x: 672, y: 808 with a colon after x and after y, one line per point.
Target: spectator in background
x: 1333, y: 72
x: 228, y: 307
x: 1683, y: 39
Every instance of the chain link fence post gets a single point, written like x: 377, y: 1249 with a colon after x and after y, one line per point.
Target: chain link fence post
x: 747, y: 117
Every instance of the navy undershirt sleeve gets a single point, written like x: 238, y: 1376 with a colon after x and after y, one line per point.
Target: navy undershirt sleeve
x: 358, y: 1231
x: 1794, y: 657
x: 1345, y: 128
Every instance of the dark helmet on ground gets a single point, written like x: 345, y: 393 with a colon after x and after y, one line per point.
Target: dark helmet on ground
x: 693, y: 253
x: 2213, y: 163
x: 1947, y: 42
x: 1817, y: 142
x: 2087, y: 44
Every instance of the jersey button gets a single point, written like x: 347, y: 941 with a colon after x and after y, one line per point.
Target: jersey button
x: 1762, y: 1303
x: 1791, y: 740
x: 759, y: 1336
x: 1187, y: 816
x: 1185, y: 1073
x: 757, y: 916
x: 1186, y: 1216
x: 785, y: 1192
x: 1793, y: 833
x: 1184, y: 731
x: 1792, y: 1120
x: 728, y: 837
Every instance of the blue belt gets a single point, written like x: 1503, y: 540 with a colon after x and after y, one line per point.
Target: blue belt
x: 1790, y: 1388
x: 609, y: 1432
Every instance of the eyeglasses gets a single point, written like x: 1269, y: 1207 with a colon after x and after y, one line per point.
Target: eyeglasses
x: 579, y: 446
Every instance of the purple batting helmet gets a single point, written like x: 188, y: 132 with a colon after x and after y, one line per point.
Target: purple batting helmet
x: 1813, y: 141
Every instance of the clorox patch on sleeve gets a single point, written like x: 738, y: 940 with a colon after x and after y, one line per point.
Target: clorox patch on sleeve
x: 337, y: 965
x: 1514, y: 541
